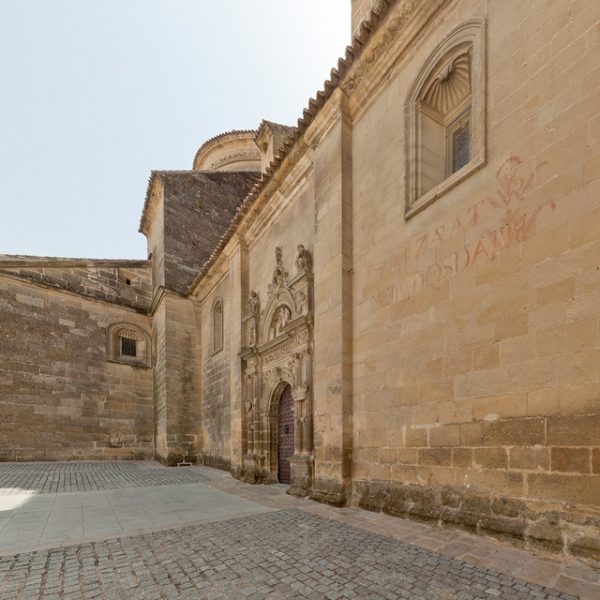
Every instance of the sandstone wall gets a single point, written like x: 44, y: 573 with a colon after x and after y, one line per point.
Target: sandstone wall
x: 295, y: 224
x: 333, y: 313
x: 60, y: 399
x: 216, y: 365
x: 476, y: 340
x: 176, y: 380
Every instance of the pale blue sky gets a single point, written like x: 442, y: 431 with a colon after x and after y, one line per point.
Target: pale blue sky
x: 96, y: 93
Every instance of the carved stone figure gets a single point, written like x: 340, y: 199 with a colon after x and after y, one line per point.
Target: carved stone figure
x: 279, y: 275
x: 301, y: 302
x: 282, y: 317
x: 251, y: 334
x: 285, y: 315
x: 303, y: 260
x: 253, y: 304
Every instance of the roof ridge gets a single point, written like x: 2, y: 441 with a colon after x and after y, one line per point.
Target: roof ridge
x: 367, y: 29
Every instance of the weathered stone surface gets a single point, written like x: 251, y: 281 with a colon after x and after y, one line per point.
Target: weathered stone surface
x: 329, y: 491
x: 512, y: 519
x: 59, y: 396
x: 198, y: 208
x: 122, y: 282
x: 587, y: 547
x: 449, y: 363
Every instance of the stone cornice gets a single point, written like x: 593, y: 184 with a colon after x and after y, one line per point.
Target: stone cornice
x: 261, y: 215
x: 219, y: 270
x: 386, y: 47
x: 326, y: 119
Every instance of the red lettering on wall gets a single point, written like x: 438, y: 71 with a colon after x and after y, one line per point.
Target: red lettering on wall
x: 515, y: 227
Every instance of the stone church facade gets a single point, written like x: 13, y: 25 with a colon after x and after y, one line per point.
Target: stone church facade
x: 394, y: 304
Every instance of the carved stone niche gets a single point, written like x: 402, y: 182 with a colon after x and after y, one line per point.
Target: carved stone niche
x: 277, y: 352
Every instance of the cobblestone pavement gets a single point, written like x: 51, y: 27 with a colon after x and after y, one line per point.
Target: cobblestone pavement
x: 138, y: 530
x: 51, y: 478
x: 284, y: 555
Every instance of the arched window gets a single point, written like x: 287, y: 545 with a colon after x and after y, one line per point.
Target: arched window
x: 446, y: 117
x: 217, y: 325
x: 128, y: 344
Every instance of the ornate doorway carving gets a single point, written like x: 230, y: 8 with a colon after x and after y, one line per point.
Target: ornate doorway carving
x: 285, y: 435
x: 277, y: 355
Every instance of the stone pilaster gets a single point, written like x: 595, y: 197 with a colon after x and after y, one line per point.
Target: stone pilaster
x: 333, y: 307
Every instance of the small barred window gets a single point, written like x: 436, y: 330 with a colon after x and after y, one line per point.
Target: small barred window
x: 128, y: 344
x: 128, y: 347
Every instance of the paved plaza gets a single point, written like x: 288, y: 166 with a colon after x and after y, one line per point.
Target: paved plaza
x: 142, y: 531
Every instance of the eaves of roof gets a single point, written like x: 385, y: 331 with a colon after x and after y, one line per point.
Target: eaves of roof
x: 366, y: 31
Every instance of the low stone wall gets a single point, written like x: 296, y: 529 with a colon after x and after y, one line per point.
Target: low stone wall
x: 122, y: 282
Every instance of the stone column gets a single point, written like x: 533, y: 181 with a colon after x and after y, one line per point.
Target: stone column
x: 308, y: 404
x: 299, y: 413
x: 238, y: 271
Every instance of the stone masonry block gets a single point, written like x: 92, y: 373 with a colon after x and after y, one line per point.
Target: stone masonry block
x: 513, y: 432
x: 530, y: 458
x: 567, y: 431
x: 572, y: 460
x: 435, y: 456
x: 490, y: 458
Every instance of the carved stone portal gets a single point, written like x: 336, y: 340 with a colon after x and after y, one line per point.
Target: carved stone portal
x: 277, y: 352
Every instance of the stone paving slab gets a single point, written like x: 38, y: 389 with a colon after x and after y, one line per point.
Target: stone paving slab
x: 283, y: 555
x: 45, y: 521
x: 54, y: 478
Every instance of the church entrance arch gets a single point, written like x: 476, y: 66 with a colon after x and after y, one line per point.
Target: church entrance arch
x: 277, y: 421
x: 285, y: 435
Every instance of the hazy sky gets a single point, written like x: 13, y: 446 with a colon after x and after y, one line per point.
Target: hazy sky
x: 96, y: 93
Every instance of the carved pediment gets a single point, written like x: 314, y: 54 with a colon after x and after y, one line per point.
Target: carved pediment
x: 288, y: 300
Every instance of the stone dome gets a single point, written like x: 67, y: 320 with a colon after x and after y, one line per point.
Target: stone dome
x: 231, y: 151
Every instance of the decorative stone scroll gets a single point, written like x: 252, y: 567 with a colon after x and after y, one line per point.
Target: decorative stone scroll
x: 278, y: 352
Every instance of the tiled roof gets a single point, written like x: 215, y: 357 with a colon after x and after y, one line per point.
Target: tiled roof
x: 278, y: 127
x: 199, y: 206
x: 337, y: 75
x: 153, y: 175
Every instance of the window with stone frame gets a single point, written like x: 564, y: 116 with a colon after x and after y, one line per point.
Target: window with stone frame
x: 217, y: 325
x: 128, y: 344
x: 445, y: 117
